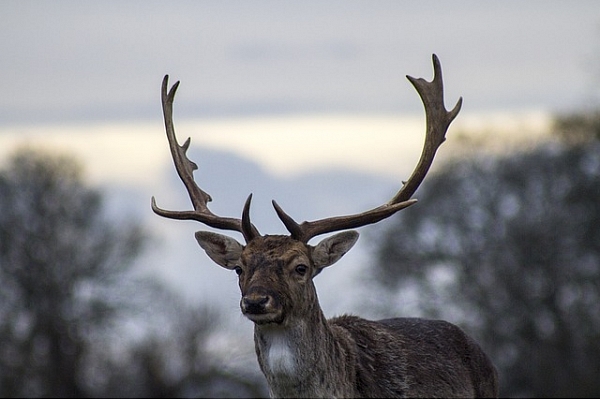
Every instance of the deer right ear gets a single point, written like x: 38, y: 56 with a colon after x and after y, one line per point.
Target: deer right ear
x: 222, y: 249
x: 331, y: 249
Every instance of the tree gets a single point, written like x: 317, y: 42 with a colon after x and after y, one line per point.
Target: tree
x: 510, y: 248
x: 67, y: 296
x: 61, y: 260
x: 178, y: 364
x: 172, y: 359
x: 578, y: 127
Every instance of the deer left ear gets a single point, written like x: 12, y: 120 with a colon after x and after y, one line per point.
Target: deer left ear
x: 223, y: 250
x: 331, y: 249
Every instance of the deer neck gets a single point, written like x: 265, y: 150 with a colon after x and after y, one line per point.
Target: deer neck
x: 303, y: 358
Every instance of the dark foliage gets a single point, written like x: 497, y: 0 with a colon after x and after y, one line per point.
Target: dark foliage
x: 578, y: 127
x: 510, y: 248
x: 58, y: 260
x: 71, y: 309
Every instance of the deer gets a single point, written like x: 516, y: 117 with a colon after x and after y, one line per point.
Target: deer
x: 302, y: 353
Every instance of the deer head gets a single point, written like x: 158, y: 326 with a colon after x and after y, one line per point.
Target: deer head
x: 276, y: 271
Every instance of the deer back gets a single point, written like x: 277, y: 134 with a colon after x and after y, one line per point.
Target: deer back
x: 416, y: 358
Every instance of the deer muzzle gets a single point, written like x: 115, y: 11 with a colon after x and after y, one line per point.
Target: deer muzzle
x: 261, y: 307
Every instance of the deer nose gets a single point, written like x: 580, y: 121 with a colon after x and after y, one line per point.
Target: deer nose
x: 255, y: 303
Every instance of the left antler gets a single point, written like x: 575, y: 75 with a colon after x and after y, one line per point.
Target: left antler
x: 438, y: 120
x: 185, y: 169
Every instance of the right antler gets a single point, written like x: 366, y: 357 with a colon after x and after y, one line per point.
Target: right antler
x: 438, y: 120
x: 185, y: 169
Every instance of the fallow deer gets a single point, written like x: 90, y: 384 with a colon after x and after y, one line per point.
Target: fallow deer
x: 300, y: 352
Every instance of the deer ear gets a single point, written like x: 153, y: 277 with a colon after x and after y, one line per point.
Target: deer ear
x: 331, y: 249
x: 222, y: 249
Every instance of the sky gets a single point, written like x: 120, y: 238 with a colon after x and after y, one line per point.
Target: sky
x: 79, y: 61
x: 296, y: 88
x: 320, y: 81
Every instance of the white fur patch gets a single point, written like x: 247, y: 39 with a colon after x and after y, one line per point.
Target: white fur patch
x: 280, y: 357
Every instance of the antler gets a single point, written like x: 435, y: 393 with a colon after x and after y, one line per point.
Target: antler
x: 438, y: 120
x: 185, y: 169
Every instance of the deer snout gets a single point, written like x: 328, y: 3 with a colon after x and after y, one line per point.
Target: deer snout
x: 261, y: 307
x: 255, y: 303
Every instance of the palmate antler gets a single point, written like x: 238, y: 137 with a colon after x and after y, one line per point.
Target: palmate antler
x: 438, y: 120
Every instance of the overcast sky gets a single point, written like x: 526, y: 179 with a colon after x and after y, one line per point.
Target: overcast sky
x: 63, y: 61
x: 331, y: 69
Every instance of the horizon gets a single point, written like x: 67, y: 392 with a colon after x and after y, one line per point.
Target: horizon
x: 284, y: 146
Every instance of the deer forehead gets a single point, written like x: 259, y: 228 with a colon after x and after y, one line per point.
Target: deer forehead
x: 274, y: 251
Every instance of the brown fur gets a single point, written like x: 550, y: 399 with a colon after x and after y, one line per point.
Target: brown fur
x: 303, y: 355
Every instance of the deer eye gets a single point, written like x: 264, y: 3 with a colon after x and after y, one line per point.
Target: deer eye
x: 238, y: 270
x: 301, y: 269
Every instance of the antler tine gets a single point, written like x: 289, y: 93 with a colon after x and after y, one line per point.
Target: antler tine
x: 438, y: 120
x: 185, y: 169
x: 309, y: 229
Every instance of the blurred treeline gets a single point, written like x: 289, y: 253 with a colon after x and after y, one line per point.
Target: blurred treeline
x: 75, y: 319
x: 508, y: 247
